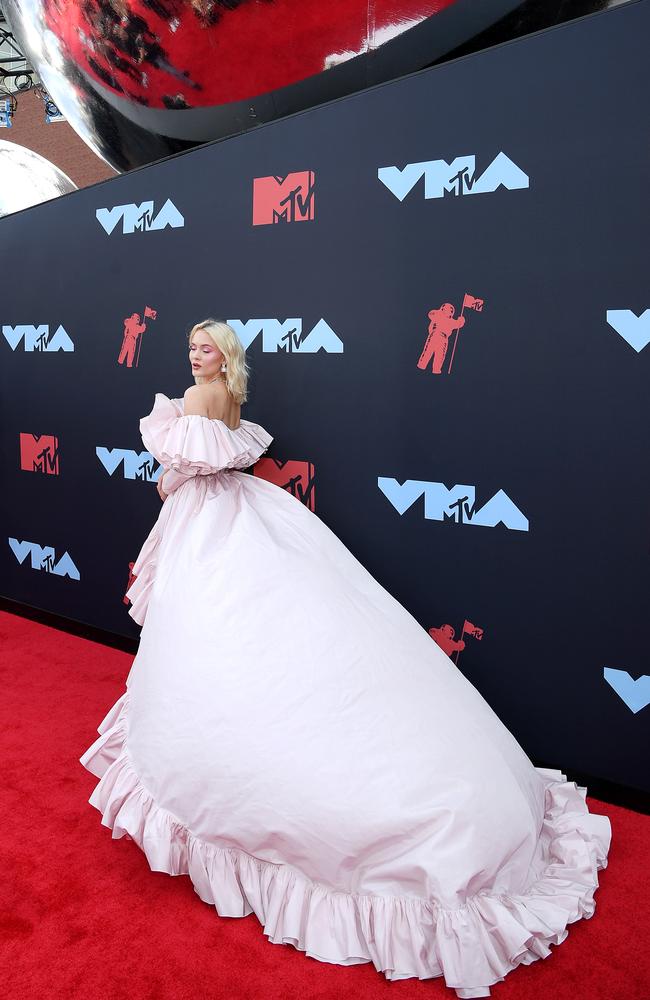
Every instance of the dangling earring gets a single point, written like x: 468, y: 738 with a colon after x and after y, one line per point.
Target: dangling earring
x: 223, y: 366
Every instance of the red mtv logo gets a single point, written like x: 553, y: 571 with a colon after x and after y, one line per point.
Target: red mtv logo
x: 39, y: 453
x: 295, y: 477
x: 283, y: 199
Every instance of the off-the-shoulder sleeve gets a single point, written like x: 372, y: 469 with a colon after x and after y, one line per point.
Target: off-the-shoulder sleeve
x: 195, y: 446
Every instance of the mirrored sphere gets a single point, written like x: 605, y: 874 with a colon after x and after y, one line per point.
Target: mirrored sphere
x: 140, y: 79
x: 27, y: 179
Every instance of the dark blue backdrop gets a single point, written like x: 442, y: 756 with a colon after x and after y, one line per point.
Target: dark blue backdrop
x: 546, y: 400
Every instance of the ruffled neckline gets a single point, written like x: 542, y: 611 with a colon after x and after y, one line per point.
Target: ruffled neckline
x: 198, y: 445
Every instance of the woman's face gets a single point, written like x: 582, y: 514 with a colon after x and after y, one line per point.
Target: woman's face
x: 205, y: 356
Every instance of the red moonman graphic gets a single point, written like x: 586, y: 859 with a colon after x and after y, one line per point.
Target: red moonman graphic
x: 283, y: 199
x: 295, y: 477
x: 442, y: 323
x: 39, y: 453
x: 444, y: 636
x: 132, y: 340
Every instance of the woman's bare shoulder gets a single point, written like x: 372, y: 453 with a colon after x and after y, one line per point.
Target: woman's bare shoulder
x: 212, y: 401
x: 196, y: 400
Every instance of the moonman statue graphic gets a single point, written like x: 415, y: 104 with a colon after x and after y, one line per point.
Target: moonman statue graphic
x: 133, y: 329
x: 444, y: 636
x: 442, y: 324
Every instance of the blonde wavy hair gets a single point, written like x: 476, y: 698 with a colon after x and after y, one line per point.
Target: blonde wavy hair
x: 237, y: 370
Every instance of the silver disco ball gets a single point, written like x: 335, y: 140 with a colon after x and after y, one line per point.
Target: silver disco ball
x: 28, y: 179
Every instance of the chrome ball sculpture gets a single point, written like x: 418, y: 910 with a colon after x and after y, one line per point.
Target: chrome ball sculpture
x: 140, y: 79
x: 28, y: 179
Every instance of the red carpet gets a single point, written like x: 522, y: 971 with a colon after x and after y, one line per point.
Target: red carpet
x: 82, y: 916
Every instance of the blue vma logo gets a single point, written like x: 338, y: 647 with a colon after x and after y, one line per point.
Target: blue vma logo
x: 632, y: 328
x: 635, y: 694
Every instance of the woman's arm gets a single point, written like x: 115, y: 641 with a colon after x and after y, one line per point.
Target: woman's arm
x: 194, y: 401
x: 159, y: 486
x: 173, y: 480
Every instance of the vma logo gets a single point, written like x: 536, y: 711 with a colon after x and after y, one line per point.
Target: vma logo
x: 635, y: 693
x: 37, y: 338
x: 283, y: 199
x: 457, y: 178
x: 297, y: 478
x: 42, y: 557
x: 39, y: 453
x: 140, y: 218
x: 457, y: 504
x: 287, y: 337
x: 632, y: 328
x: 135, y: 465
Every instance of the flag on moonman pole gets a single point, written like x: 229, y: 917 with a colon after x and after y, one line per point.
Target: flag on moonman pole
x: 469, y: 302
x: 473, y: 630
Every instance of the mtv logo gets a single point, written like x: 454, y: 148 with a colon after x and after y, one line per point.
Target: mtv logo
x: 283, y: 199
x: 135, y: 465
x: 37, y: 338
x: 39, y: 453
x: 43, y: 557
x: 293, y: 476
x: 140, y: 218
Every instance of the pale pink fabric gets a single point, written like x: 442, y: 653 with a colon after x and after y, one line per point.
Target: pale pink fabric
x: 295, y: 741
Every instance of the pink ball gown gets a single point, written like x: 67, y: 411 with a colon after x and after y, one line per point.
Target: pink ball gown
x: 292, y: 739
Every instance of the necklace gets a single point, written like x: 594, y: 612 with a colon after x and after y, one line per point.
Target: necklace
x: 216, y: 379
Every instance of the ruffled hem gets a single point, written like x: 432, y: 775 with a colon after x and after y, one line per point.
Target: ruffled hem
x: 196, y: 445
x: 144, y: 572
x: 473, y: 947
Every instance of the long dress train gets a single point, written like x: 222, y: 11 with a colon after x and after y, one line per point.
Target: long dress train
x: 292, y: 739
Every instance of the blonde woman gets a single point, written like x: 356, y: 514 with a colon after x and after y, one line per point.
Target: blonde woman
x: 292, y: 739
x: 220, y: 384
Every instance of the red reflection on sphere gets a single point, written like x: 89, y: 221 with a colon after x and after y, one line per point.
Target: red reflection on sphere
x: 195, y: 53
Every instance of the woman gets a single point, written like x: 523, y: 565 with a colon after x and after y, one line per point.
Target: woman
x: 294, y: 740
